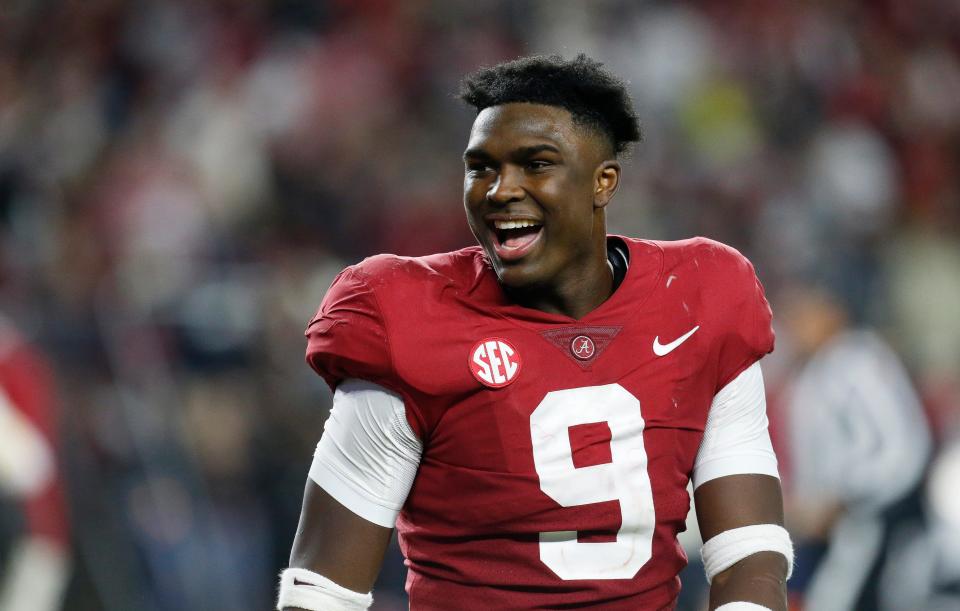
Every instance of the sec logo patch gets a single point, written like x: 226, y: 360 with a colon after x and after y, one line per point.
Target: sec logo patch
x: 494, y: 362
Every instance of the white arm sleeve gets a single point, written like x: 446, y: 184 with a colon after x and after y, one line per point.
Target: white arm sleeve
x: 35, y: 577
x: 736, y: 439
x: 27, y: 464
x: 368, y: 455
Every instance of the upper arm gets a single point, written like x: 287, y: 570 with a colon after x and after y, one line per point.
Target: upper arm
x: 735, y: 476
x: 736, y: 438
x: 362, y: 471
x: 337, y: 543
x: 738, y: 500
x: 736, y: 481
x: 737, y: 485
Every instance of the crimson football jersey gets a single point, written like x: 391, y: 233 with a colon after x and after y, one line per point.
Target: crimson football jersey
x: 556, y: 451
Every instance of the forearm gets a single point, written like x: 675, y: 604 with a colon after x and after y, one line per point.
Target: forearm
x: 335, y: 559
x: 361, y: 474
x: 759, y: 578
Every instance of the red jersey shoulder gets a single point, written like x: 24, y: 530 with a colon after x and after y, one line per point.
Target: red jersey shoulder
x: 383, y: 274
x: 391, y: 273
x: 386, y: 272
x: 723, y: 285
x: 354, y: 332
x: 346, y: 338
x: 710, y: 259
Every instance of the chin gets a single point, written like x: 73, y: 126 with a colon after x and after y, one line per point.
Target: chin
x: 518, y: 275
x: 526, y: 272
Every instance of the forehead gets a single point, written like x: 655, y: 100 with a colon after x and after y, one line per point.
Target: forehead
x: 521, y: 124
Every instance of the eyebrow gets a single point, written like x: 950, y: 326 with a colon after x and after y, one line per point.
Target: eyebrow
x: 522, y: 152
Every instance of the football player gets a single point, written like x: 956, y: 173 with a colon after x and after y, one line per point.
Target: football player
x: 527, y: 413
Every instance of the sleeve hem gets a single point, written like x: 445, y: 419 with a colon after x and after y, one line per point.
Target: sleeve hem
x: 346, y: 495
x: 757, y: 464
x: 736, y: 371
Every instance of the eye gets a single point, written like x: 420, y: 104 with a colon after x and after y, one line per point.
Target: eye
x: 478, y: 167
x: 539, y: 164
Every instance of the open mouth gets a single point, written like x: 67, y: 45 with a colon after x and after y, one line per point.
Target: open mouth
x: 515, y: 238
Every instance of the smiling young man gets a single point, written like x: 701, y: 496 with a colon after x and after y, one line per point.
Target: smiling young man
x: 528, y: 413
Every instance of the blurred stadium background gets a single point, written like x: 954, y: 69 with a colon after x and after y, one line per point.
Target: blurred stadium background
x: 181, y: 179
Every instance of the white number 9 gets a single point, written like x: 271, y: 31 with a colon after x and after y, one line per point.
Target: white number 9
x: 624, y: 479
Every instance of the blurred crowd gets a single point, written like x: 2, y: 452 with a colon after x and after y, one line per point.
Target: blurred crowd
x: 180, y: 180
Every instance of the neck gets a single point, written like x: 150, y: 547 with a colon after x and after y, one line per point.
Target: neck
x: 578, y: 293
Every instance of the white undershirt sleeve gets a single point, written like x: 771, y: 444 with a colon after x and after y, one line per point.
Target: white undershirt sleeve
x: 368, y: 455
x: 27, y: 463
x: 736, y: 439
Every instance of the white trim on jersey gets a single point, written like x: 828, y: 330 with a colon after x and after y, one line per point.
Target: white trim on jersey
x: 735, y: 439
x: 368, y: 455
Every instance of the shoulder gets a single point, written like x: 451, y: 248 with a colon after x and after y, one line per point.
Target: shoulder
x: 718, y: 286
x: 372, y: 308
x: 387, y: 271
x: 704, y: 255
x: 704, y: 266
x: 385, y: 267
x: 385, y: 275
x: 378, y: 315
x: 699, y: 252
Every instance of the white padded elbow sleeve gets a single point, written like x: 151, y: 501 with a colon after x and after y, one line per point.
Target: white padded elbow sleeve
x: 731, y: 546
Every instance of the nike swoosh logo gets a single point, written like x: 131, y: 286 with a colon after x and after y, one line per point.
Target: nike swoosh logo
x: 665, y: 349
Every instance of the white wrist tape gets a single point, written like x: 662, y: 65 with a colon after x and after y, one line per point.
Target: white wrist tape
x: 308, y: 590
x: 741, y: 606
x: 731, y: 546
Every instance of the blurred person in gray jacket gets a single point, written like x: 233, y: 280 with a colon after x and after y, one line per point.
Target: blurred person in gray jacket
x: 858, y: 447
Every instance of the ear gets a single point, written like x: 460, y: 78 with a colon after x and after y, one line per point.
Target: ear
x: 606, y: 181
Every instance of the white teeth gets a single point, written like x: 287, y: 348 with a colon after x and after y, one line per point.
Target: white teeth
x: 514, y: 224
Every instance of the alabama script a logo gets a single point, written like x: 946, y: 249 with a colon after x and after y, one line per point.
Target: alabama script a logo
x: 583, y: 347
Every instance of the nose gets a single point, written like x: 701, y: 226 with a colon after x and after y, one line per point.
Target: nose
x: 506, y: 188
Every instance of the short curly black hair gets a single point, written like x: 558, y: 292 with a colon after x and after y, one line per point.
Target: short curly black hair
x: 593, y: 95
